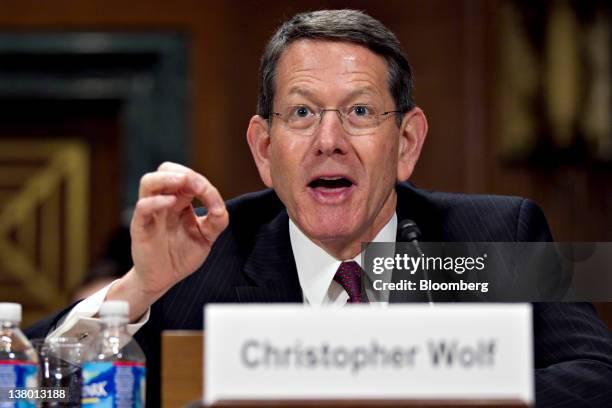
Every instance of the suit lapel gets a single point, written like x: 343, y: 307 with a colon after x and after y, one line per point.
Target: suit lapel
x: 271, y: 266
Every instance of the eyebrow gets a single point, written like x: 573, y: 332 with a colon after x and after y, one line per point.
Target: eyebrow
x: 355, y: 93
x: 362, y: 91
x: 300, y: 91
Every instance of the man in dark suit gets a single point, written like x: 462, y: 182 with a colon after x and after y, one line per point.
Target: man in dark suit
x: 336, y: 134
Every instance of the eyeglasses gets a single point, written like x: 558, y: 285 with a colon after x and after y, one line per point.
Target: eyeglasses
x: 356, y: 120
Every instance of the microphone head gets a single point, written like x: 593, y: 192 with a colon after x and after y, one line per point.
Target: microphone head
x: 408, y: 230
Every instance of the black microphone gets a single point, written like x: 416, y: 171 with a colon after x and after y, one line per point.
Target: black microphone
x: 410, y: 232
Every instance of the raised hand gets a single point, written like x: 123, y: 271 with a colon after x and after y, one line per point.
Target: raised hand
x: 169, y: 241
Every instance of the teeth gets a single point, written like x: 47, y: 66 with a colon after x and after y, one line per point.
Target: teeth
x: 331, y: 178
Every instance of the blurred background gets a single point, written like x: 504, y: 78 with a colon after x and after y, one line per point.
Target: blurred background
x: 95, y: 93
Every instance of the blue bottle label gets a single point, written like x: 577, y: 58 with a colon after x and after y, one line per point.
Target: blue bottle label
x: 113, y: 384
x: 18, y: 374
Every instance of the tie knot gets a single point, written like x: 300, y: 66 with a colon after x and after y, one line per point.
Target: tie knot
x: 349, y: 277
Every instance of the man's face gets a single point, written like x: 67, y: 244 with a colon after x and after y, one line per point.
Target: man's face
x: 337, y: 187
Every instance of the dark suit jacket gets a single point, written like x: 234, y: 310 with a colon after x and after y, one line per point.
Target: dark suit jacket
x: 252, y: 261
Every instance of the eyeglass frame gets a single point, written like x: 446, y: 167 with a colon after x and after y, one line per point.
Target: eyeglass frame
x: 341, y: 116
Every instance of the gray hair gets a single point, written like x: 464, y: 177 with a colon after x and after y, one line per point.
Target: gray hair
x: 338, y: 25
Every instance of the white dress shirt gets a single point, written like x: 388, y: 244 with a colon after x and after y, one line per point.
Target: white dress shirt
x: 81, y: 323
x: 315, y: 267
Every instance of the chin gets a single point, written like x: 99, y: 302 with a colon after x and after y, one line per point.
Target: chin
x: 326, y: 229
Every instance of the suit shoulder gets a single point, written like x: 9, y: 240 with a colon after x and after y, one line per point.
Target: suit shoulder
x: 257, y: 208
x: 466, y: 204
x: 480, y: 217
x: 476, y: 202
x: 248, y: 214
x: 252, y: 208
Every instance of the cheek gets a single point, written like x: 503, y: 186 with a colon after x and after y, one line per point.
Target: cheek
x: 284, y: 164
x: 380, y: 158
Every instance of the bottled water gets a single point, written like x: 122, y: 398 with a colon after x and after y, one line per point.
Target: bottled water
x: 113, y: 372
x: 18, y: 359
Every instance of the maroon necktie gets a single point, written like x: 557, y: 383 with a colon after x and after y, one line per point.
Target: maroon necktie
x: 349, y: 277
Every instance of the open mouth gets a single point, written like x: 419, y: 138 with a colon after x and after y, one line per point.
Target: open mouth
x: 332, y: 190
x: 330, y: 182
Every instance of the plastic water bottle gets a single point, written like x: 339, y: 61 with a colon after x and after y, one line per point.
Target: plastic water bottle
x: 18, y: 359
x: 113, y: 372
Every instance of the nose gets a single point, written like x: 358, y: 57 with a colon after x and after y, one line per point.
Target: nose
x: 330, y: 137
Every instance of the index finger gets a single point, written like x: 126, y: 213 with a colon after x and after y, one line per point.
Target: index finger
x: 202, y: 189
x: 174, y: 167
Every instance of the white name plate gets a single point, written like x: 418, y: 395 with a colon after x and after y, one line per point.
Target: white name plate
x: 286, y: 352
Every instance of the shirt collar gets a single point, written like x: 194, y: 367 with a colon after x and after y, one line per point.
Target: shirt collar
x: 316, y: 268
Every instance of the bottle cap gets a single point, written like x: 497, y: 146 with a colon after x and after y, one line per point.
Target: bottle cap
x: 10, y: 312
x: 115, y: 308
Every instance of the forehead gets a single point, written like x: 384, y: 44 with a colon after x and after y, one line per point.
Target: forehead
x: 331, y: 66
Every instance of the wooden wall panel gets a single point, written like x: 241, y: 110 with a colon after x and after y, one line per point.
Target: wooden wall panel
x: 226, y: 41
x: 452, y: 46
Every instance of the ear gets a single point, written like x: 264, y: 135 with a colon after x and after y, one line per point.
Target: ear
x: 258, y: 137
x: 413, y: 131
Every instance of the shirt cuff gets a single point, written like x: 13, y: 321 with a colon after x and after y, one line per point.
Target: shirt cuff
x: 80, y: 323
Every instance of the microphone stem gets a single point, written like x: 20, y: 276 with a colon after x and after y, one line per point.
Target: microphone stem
x: 415, y: 243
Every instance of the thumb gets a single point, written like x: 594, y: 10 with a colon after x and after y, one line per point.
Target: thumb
x: 213, y: 223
